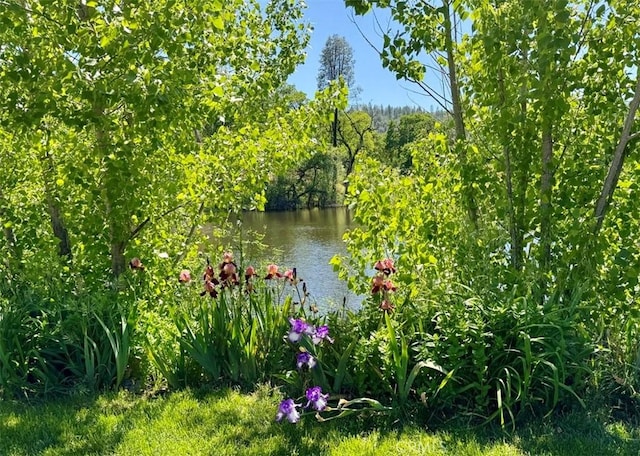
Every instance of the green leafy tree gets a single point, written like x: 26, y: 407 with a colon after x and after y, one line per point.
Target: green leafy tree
x: 121, y: 96
x: 407, y: 129
x: 311, y: 181
x: 355, y: 137
x: 548, y: 94
x: 336, y: 61
x: 429, y: 28
x: 523, y: 68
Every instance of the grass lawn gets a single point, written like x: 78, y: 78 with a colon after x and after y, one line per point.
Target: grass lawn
x: 230, y: 423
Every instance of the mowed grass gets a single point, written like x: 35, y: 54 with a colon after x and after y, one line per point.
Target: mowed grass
x: 230, y: 423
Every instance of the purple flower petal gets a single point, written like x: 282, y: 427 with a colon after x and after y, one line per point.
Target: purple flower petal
x: 316, y: 399
x: 304, y: 359
x: 287, y: 409
x: 321, y: 333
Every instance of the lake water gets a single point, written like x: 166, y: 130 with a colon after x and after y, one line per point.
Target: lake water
x: 305, y: 240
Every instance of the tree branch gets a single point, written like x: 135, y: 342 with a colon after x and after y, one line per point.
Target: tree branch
x: 146, y: 221
x: 615, y: 169
x: 30, y: 11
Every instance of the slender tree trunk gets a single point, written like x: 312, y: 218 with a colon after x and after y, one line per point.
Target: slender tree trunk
x: 57, y: 223
x: 334, y: 128
x: 453, y: 75
x: 611, y: 181
x: 522, y: 187
x: 546, y: 188
x: 458, y: 117
x: 9, y: 235
x: 514, y: 233
x: 118, y: 233
x: 515, y: 250
x: 189, y: 237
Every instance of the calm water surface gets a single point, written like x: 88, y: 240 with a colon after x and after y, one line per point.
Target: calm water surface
x: 306, y: 240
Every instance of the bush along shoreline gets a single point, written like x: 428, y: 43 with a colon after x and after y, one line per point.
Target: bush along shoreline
x: 235, y: 327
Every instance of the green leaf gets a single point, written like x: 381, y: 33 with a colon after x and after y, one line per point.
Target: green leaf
x: 218, y: 91
x: 218, y: 22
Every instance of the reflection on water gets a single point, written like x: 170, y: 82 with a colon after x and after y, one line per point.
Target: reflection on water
x: 306, y: 240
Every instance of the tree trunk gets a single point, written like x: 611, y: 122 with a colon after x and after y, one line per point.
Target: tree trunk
x: 458, y: 117
x: 9, y: 234
x: 118, y: 262
x: 515, y: 250
x: 59, y: 229
x: 118, y: 233
x: 522, y: 187
x: 53, y: 207
x: 546, y: 208
x: 522, y: 162
x: 334, y: 127
x: 619, y: 155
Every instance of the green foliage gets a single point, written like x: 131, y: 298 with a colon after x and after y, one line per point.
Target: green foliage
x: 53, y: 344
x: 139, y: 128
x: 355, y: 137
x: 404, y: 378
x: 408, y: 129
x: 125, y: 127
x: 513, y: 304
x: 142, y: 124
x: 233, y: 337
x: 382, y: 116
x: 311, y: 184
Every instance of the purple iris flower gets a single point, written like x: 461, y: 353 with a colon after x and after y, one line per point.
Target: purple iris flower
x: 316, y: 399
x: 320, y: 334
x: 298, y: 328
x: 287, y: 409
x: 304, y: 359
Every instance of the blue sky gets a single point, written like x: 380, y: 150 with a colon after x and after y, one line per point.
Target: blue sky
x: 379, y: 86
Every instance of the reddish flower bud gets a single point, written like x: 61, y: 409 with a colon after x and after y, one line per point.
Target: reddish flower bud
x: 389, y: 286
x: 208, y: 273
x: 185, y: 276
x: 209, y: 287
x: 227, y: 257
x: 290, y: 274
x: 376, y: 284
x: 386, y: 266
x: 249, y: 272
x: 272, y: 271
x: 387, y: 306
x: 136, y: 264
x: 229, y: 269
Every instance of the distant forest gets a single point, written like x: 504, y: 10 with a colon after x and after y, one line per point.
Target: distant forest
x: 382, y: 115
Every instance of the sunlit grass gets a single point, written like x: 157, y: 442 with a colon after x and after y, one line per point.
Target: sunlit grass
x: 229, y: 423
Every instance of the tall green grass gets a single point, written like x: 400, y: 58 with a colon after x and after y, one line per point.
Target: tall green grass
x: 59, y: 343
x: 236, y: 337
